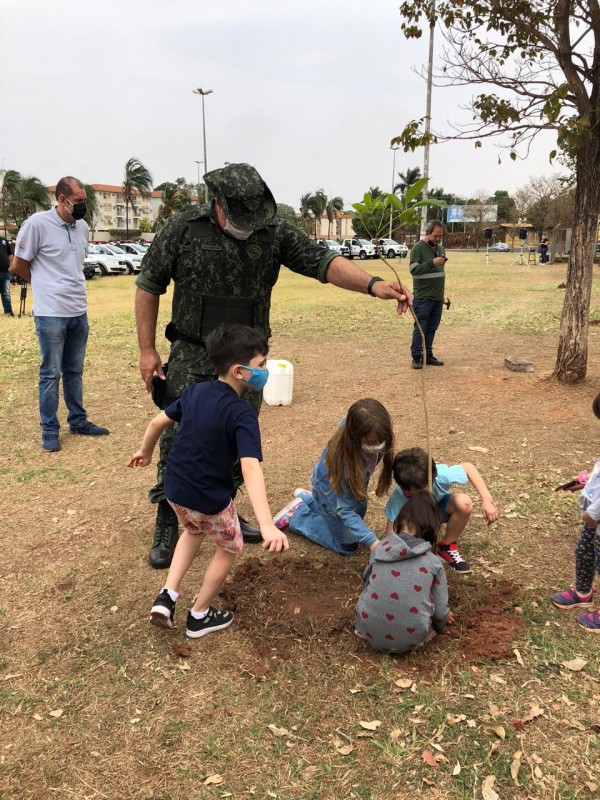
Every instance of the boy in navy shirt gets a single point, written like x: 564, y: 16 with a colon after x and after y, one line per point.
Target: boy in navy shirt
x: 216, y: 427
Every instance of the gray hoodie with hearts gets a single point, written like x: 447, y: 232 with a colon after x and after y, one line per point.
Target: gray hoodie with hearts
x: 404, y: 594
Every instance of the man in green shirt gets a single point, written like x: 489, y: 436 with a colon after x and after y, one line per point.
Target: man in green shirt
x: 427, y: 260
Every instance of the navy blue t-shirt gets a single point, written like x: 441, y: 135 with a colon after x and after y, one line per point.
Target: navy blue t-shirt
x: 216, y: 428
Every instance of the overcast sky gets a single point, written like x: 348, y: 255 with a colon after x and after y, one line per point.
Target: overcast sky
x: 309, y: 92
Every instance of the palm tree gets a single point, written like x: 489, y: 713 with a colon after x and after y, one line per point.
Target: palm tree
x: 375, y: 192
x: 174, y: 200
x: 305, y: 211
x: 137, y: 179
x: 407, y: 179
x: 92, y: 213
x: 317, y: 204
x: 334, y: 205
x: 22, y: 196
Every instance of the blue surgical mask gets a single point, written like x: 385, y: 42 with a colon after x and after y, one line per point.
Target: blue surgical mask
x: 258, y: 378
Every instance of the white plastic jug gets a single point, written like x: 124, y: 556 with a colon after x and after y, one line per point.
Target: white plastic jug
x: 279, y: 386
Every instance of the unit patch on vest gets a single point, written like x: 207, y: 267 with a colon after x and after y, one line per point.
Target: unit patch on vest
x: 254, y: 252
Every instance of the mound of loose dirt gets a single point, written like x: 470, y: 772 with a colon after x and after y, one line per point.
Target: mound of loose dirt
x: 288, y: 602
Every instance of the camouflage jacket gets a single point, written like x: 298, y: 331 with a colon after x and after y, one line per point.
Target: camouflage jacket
x: 218, y: 278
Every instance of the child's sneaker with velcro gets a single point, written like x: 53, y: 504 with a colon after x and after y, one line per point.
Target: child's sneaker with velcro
x: 590, y: 622
x: 162, y: 612
x: 282, y: 519
x: 449, y: 553
x: 214, y: 620
x: 571, y: 599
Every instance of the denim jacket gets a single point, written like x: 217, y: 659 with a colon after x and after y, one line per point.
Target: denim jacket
x: 344, y: 508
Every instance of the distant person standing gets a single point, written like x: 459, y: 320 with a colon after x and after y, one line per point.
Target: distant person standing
x: 427, y: 260
x: 49, y: 254
x: 544, y: 251
x: 6, y: 257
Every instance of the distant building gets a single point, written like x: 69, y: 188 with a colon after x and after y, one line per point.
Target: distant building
x: 111, y: 208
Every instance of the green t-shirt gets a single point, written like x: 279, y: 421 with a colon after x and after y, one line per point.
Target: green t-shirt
x: 428, y: 280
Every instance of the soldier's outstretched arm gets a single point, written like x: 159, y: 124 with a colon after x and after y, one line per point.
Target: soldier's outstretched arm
x: 146, y: 315
x: 344, y: 273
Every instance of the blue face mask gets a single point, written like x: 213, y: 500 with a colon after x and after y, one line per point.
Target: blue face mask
x: 258, y: 378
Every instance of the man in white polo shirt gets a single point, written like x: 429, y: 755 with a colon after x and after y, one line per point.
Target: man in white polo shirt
x: 49, y: 254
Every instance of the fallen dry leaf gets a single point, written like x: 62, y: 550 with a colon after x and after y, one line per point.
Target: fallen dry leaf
x: 213, y: 780
x: 429, y: 758
x: 457, y: 768
x: 593, y: 787
x: 519, y: 657
x: 404, y: 683
x: 345, y: 750
x: 518, y: 724
x: 535, y: 711
x: 576, y: 665
x: 277, y: 731
x: 516, y: 765
x: 309, y: 773
x: 182, y: 650
x: 452, y: 720
x: 370, y: 726
x: 58, y: 713
x: 477, y: 449
x: 487, y: 788
x: 497, y: 729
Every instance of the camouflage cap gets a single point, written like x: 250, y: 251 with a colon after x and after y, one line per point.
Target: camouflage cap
x: 245, y: 198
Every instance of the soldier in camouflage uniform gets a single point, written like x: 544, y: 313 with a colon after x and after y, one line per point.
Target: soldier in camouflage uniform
x: 224, y: 259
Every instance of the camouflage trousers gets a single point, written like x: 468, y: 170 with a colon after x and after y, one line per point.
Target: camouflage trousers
x: 188, y: 364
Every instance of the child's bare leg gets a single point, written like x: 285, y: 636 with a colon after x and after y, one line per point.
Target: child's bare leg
x: 215, y: 574
x: 185, y: 552
x: 459, y: 510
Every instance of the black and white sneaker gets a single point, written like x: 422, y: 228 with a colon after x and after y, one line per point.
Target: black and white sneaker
x: 214, y: 620
x: 449, y: 553
x: 163, y: 611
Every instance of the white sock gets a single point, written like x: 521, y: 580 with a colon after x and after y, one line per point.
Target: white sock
x: 199, y: 614
x: 172, y: 593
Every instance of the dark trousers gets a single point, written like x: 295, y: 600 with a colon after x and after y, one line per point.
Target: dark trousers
x: 429, y: 314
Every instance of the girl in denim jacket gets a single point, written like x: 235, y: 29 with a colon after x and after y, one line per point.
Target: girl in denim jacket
x: 332, y: 513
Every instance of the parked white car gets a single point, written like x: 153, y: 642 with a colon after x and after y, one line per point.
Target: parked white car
x: 331, y: 244
x: 134, y: 262
x: 108, y: 263
x: 390, y: 248
x: 134, y: 248
x: 361, y: 248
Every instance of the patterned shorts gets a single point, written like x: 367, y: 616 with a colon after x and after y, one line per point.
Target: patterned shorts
x: 223, y: 527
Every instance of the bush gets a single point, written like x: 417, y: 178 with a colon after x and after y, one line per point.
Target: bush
x: 120, y: 234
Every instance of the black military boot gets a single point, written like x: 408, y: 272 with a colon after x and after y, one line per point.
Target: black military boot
x: 166, y: 534
x: 250, y: 533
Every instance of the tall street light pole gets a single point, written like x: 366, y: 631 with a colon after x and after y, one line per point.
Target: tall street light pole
x: 203, y: 93
x: 392, y: 189
x: 198, y: 184
x: 427, y: 120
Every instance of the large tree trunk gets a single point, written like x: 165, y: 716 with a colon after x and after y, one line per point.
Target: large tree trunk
x: 571, y: 359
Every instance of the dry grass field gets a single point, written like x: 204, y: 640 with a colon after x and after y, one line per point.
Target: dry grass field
x: 287, y: 703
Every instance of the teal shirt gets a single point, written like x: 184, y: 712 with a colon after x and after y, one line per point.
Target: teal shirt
x: 428, y: 280
x: 442, y: 482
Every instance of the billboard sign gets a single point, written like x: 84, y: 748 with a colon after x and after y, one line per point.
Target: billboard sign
x: 472, y: 213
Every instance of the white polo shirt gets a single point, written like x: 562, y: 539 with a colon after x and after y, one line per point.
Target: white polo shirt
x: 56, y: 251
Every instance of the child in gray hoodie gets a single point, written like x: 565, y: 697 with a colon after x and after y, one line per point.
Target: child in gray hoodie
x: 404, y: 600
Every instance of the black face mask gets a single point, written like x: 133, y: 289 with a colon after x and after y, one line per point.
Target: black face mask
x: 79, y: 210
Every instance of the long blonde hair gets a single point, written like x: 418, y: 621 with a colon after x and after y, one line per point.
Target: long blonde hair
x: 345, y: 460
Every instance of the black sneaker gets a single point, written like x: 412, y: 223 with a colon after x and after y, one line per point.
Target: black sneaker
x: 214, y: 621
x: 163, y: 611
x: 432, y: 361
x: 417, y: 363
x: 450, y: 555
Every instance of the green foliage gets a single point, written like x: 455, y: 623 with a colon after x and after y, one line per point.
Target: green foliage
x: 137, y: 179
x: 373, y: 214
x: 288, y: 214
x: 22, y: 196
x: 145, y: 226
x: 119, y: 234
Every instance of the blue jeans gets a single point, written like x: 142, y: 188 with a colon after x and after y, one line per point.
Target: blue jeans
x: 62, y: 347
x: 5, y: 292
x: 429, y: 314
x: 316, y: 520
